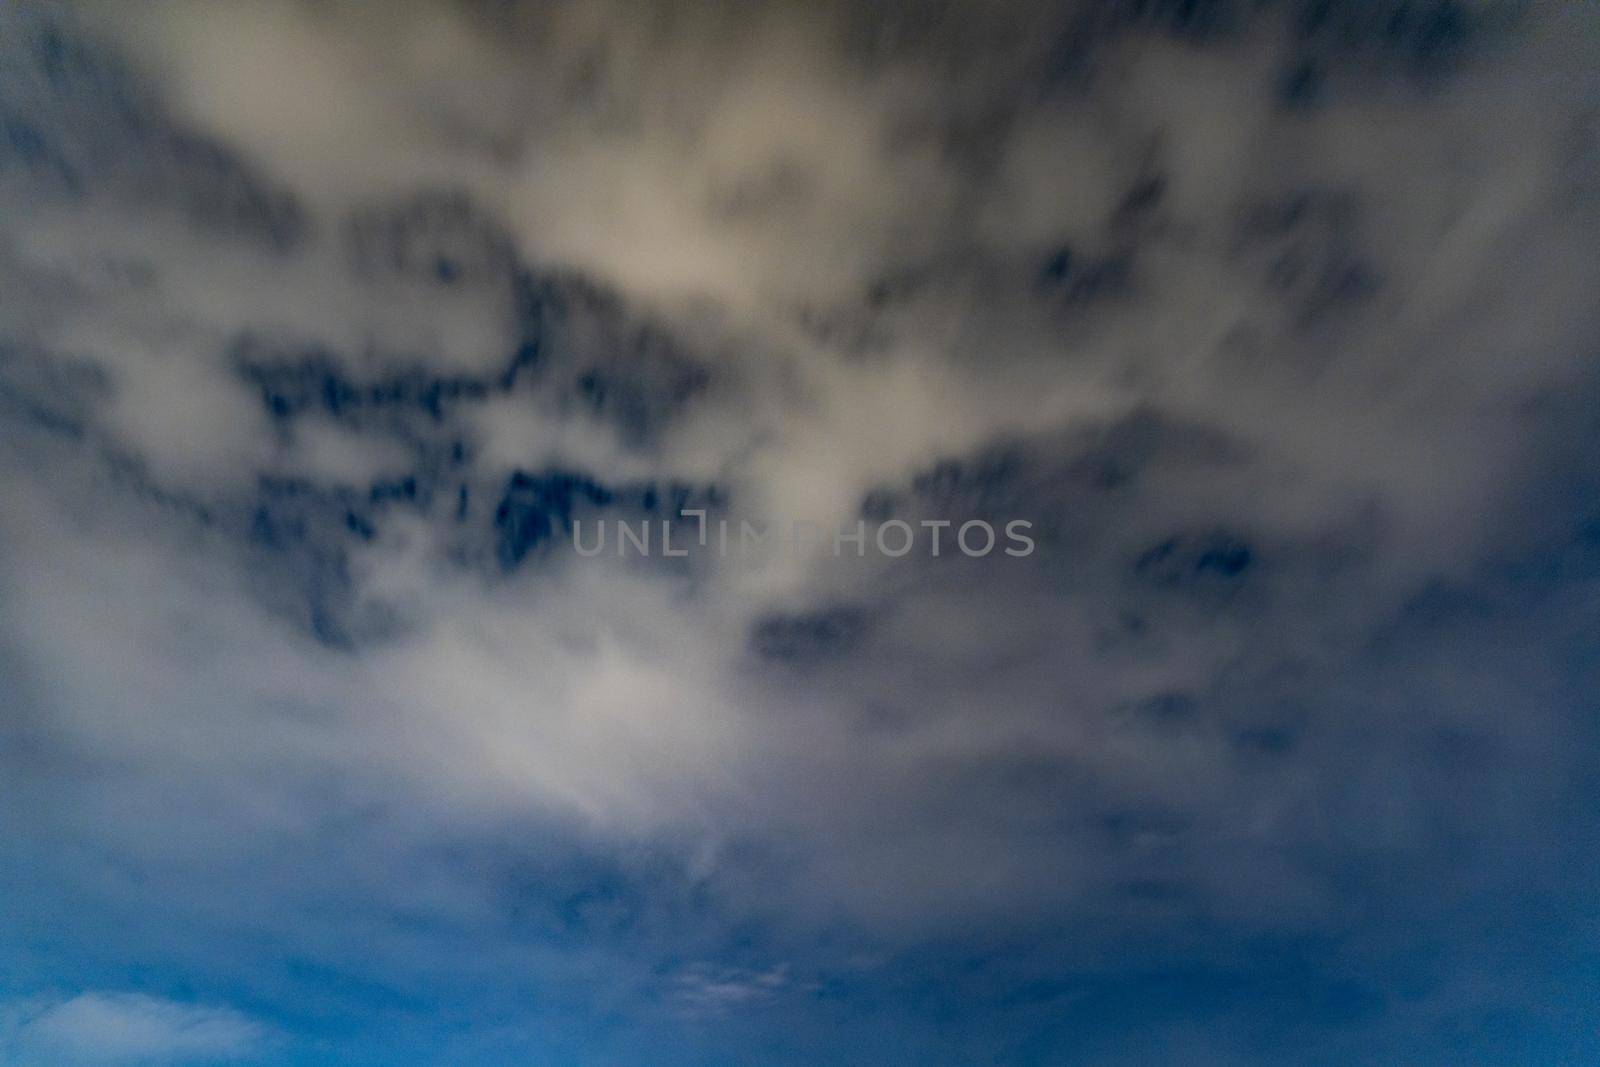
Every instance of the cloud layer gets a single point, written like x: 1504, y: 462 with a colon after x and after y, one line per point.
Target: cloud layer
x: 325, y: 329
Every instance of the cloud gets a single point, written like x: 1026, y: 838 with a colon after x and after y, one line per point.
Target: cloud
x: 329, y: 327
x: 97, y: 1027
x: 708, y: 990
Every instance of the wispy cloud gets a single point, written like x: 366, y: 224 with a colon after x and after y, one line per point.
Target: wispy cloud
x: 325, y: 325
x: 98, y: 1027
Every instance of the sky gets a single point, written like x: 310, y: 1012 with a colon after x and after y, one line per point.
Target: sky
x: 1260, y: 335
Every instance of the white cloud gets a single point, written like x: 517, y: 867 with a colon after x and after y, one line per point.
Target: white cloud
x: 102, y: 1027
x: 1322, y: 333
